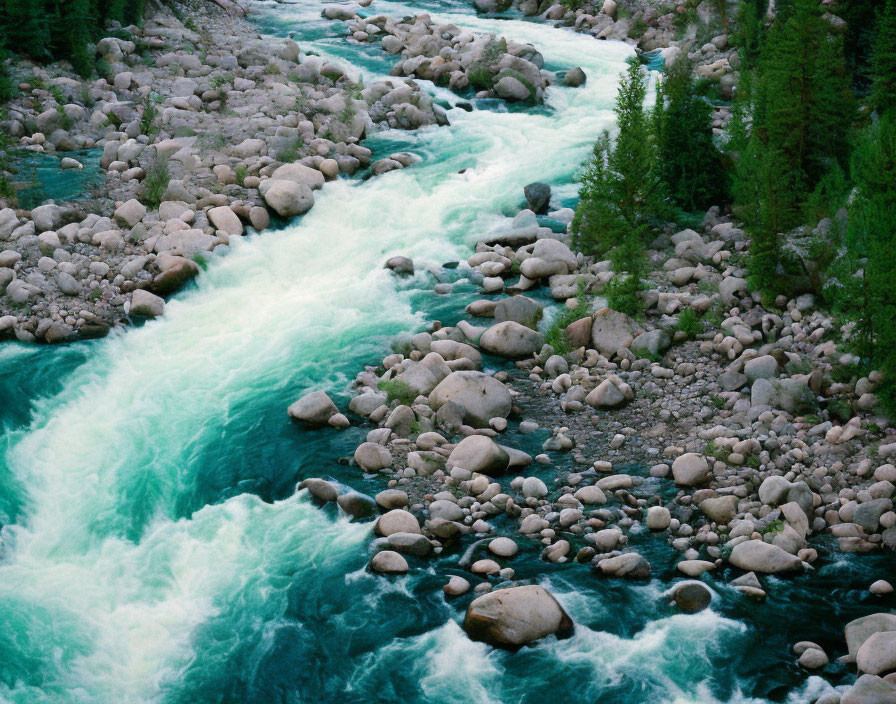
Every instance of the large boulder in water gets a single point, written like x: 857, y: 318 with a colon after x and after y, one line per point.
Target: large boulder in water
x: 630, y: 565
x: 396, y: 521
x: 538, y: 196
x: 512, y: 340
x: 388, y: 562
x: 861, y: 629
x: 877, y: 656
x: 870, y: 689
x: 288, y: 198
x: 758, y: 556
x: 513, y: 617
x: 315, y: 408
x: 691, y: 596
x: 482, y: 397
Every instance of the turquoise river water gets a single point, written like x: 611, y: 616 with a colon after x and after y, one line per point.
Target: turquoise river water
x: 154, y: 548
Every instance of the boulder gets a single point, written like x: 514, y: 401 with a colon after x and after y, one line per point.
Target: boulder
x: 870, y: 689
x: 320, y: 489
x: 658, y: 518
x: 410, y: 544
x: 861, y: 629
x: 130, y: 213
x: 518, y: 309
x: 299, y: 173
x: 611, y: 331
x: 481, y: 396
x: 356, y: 504
x: 146, y: 304
x: 691, y: 597
x: 538, y: 195
x: 512, y: 340
x: 591, y: 495
x: 763, y: 367
x: 372, y: 457
x: 720, y: 509
x: 478, y: 453
x: 288, y: 198
x: 516, y: 616
x: 690, y: 469
x: 396, y: 521
x: 605, y: 395
x: 877, y: 656
x: 654, y: 343
x: 223, y: 218
x: 510, y: 88
x: 630, y: 565
x: 314, y: 408
x: 574, y: 78
x: 758, y: 556
x: 388, y: 562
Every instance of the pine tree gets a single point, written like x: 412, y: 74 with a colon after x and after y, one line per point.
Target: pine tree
x: 620, y: 188
x: 690, y: 166
x: 883, y: 64
x: 870, y: 238
x: 620, y: 194
x: 748, y: 34
x: 27, y: 31
x: 801, y: 115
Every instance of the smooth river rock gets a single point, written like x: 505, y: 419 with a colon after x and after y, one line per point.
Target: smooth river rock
x: 513, y: 617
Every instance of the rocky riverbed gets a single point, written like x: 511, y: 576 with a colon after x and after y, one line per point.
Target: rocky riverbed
x: 207, y: 132
x: 759, y: 439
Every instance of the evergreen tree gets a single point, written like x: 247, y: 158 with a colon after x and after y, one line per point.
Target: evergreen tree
x: 620, y: 188
x: 690, y: 166
x: 870, y: 238
x: 748, y: 33
x: 801, y: 114
x: 26, y: 30
x: 883, y: 65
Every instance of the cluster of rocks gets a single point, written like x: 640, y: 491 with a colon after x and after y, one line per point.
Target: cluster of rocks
x: 205, y: 132
x: 768, y: 437
x: 670, y: 32
x: 459, y: 59
x: 871, y: 647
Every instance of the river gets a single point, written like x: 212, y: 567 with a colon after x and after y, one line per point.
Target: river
x: 154, y: 549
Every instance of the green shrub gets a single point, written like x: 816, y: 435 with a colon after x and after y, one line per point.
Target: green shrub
x: 156, y: 183
x: 241, y: 172
x: 200, y: 260
x: 717, y: 451
x: 556, y: 334
x: 397, y: 390
x: 688, y: 323
x: 148, y: 119
x: 773, y: 528
x: 291, y: 153
x: 637, y: 29
x: 272, y: 70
